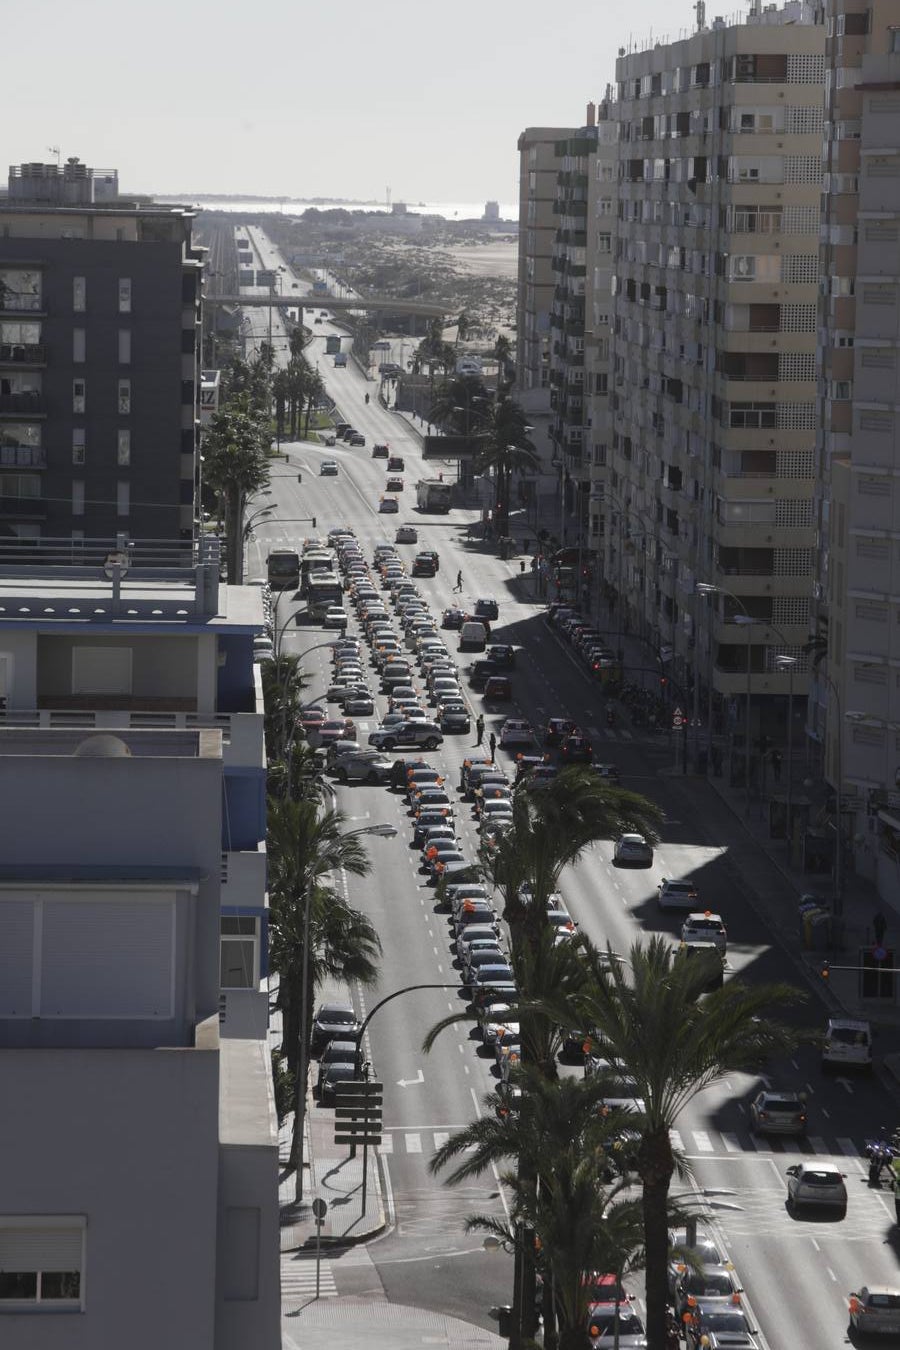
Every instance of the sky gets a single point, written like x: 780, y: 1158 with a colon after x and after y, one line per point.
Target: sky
x: 312, y: 98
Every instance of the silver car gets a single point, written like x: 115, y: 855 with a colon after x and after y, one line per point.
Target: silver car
x: 818, y: 1185
x: 633, y: 848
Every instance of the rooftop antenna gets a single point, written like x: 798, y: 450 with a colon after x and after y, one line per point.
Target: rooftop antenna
x: 55, y: 150
x: 700, y: 9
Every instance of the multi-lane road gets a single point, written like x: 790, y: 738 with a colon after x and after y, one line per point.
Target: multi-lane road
x: 797, y: 1272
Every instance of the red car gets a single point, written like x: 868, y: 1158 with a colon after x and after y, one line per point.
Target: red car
x: 576, y: 750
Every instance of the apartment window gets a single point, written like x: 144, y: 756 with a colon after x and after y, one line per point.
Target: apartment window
x: 79, y: 396
x: 77, y: 497
x: 123, y: 450
x: 601, y: 383
x: 894, y: 39
x: 124, y: 295
x: 78, y: 445
x: 882, y: 166
x: 751, y: 416
x: 871, y: 613
x: 124, y: 397
x: 123, y: 499
x: 869, y: 486
x: 20, y: 485
x: 124, y: 346
x: 238, y: 959
x: 41, y: 1260
x: 79, y: 294
x: 78, y: 345
x: 840, y: 391
x: 604, y: 243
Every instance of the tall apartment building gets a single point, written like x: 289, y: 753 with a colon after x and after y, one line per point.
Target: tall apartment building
x: 538, y: 168
x: 711, y: 476
x: 99, y: 359
x: 576, y: 156
x: 139, y: 1143
x: 855, y: 694
x: 598, y: 331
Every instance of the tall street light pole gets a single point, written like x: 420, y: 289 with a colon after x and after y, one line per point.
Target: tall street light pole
x: 745, y: 620
x: 788, y: 663
x: 380, y: 832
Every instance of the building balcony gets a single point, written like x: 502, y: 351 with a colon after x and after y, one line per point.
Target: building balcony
x: 21, y: 302
x: 243, y: 745
x: 23, y: 457
x: 23, y: 354
x: 27, y: 404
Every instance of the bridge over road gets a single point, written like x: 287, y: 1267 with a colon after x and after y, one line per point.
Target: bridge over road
x: 423, y: 309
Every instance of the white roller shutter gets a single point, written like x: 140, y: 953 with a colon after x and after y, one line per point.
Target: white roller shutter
x: 35, y: 1248
x: 108, y: 958
x: 101, y: 670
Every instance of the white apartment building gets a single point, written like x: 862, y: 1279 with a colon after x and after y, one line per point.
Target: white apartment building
x: 854, y: 709
x: 711, y: 468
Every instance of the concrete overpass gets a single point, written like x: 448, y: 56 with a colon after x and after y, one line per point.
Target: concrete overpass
x: 422, y: 309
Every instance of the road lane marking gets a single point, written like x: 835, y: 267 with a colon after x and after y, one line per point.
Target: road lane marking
x: 387, y: 1143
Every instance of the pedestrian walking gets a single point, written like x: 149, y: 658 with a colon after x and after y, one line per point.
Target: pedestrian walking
x: 492, y: 744
x: 458, y: 587
x: 479, y: 729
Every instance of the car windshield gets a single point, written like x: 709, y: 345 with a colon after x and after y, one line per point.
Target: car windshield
x: 780, y: 1104
x: 603, y: 1323
x: 708, y: 1282
x: 884, y: 1301
x: 810, y: 1178
x: 338, y: 1016
x: 724, y: 1321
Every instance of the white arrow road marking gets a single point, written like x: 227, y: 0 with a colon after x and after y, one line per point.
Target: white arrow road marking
x: 410, y: 1082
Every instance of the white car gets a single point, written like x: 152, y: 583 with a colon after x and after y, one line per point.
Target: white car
x: 633, y: 848
x: 705, y: 927
x: 335, y: 617
x: 817, y: 1184
x: 516, y: 731
x: 406, y: 534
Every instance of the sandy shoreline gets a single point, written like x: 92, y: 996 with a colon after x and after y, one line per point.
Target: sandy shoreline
x: 497, y: 259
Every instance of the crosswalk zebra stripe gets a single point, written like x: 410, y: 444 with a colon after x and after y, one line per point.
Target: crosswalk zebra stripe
x: 848, y: 1148
x: 732, y: 1143
x: 440, y: 1139
x: 298, y: 1278
x: 703, y: 1142
x: 818, y: 1145
x: 387, y: 1143
x: 413, y: 1143
x: 676, y: 1140
x: 760, y: 1143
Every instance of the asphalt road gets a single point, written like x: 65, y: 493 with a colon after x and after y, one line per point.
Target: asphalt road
x: 797, y: 1272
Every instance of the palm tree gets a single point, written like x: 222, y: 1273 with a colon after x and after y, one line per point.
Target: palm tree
x: 462, y: 406
x: 653, y: 1021
x: 507, y: 450
x: 503, y: 354
x: 562, y: 1141
x: 235, y: 466
x: 315, y: 932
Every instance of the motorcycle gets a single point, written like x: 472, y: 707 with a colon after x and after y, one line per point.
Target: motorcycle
x: 881, y: 1154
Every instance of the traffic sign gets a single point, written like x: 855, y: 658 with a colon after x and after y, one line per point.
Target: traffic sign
x: 319, y: 1208
x: 357, y: 1112
x: 677, y: 719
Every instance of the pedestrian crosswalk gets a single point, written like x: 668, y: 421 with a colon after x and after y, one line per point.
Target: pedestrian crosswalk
x: 298, y: 1277
x: 693, y: 1143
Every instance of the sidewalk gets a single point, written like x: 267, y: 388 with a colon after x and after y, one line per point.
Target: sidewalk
x: 330, y: 1174
x: 777, y: 885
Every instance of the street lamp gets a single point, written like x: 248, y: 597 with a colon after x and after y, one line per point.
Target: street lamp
x: 838, y: 903
x: 381, y: 831
x: 744, y: 620
x: 789, y: 663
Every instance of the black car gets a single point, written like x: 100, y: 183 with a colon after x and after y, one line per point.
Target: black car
x: 333, y: 1021
x: 455, y: 717
x: 380, y: 451
x: 557, y: 729
x: 481, y: 671
x: 502, y: 655
x: 424, y: 565
x: 486, y: 609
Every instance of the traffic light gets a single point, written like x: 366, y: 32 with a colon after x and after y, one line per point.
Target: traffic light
x: 663, y: 681
x: 825, y: 972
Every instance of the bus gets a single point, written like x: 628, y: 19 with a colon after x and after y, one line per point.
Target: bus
x: 332, y: 344
x: 283, y: 569
x: 323, y: 589
x: 433, y: 494
x: 314, y: 560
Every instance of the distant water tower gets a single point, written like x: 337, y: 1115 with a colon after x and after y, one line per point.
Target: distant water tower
x: 491, y: 211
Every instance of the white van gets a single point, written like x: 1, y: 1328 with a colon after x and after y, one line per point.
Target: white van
x: 472, y: 637
x: 847, y: 1044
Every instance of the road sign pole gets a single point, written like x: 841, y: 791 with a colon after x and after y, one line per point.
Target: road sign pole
x: 365, y: 1173
x: 319, y: 1209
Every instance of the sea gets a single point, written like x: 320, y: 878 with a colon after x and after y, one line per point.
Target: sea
x: 509, y: 211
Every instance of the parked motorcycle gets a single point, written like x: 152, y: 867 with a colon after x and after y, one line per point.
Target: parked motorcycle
x: 881, y: 1154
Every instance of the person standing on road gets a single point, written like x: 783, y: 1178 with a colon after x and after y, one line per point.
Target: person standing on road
x: 492, y: 744
x: 479, y: 729
x: 458, y: 587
